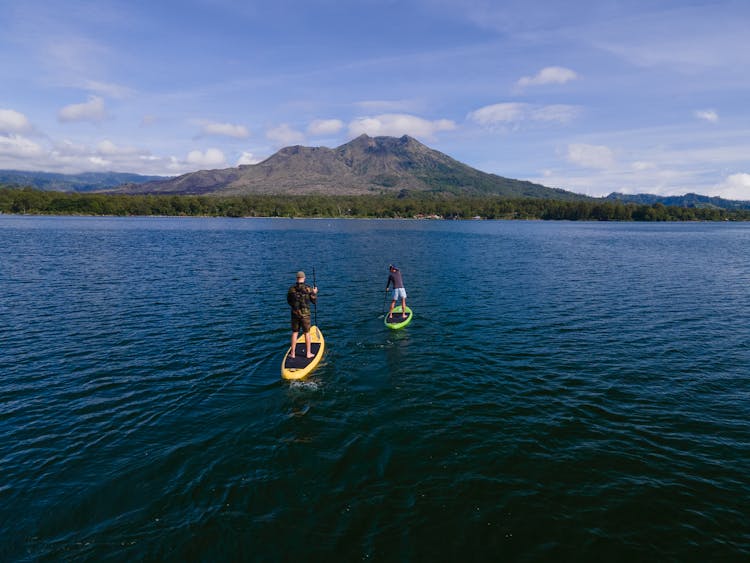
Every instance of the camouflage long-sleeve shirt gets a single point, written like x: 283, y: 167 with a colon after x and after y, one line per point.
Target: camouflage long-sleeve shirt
x: 299, y: 298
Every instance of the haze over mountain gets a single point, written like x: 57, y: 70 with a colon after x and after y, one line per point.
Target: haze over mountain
x: 687, y: 200
x: 84, y: 182
x: 365, y: 165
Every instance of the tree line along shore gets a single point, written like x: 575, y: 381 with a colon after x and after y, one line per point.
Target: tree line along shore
x: 36, y: 202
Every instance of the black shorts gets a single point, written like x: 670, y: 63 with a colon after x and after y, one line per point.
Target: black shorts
x: 300, y: 323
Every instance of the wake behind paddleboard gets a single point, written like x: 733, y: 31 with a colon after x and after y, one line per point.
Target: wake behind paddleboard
x: 300, y: 366
x: 398, y: 321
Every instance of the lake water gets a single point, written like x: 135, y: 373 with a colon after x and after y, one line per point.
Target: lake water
x: 566, y: 391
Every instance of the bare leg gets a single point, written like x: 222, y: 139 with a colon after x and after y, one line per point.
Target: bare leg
x: 308, y: 343
x: 390, y: 313
x: 403, y: 307
x: 294, y: 344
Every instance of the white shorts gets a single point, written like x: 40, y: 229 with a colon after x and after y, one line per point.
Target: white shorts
x: 399, y: 293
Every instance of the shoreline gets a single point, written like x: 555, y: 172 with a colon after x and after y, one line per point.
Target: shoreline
x: 424, y: 208
x: 351, y: 218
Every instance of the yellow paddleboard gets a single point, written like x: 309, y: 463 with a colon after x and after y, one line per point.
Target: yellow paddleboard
x: 300, y: 366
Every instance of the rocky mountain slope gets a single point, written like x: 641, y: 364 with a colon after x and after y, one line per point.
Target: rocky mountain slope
x: 365, y: 165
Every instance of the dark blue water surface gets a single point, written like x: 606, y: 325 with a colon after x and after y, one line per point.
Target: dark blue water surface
x: 566, y: 391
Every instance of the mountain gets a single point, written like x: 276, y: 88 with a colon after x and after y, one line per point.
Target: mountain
x: 86, y: 182
x: 687, y: 200
x: 365, y: 165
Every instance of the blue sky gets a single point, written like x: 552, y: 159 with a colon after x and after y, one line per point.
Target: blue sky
x: 589, y: 96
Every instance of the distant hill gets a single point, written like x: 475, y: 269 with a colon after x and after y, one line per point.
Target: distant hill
x: 85, y: 182
x: 687, y: 200
x: 365, y: 165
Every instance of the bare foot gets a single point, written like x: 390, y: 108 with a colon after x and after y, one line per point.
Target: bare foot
x: 310, y: 356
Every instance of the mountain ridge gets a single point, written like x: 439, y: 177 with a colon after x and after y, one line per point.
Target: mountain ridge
x: 365, y: 165
x: 83, y: 182
x: 689, y: 200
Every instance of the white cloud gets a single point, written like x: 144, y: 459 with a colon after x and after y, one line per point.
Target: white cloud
x: 498, y: 114
x: 735, y: 186
x: 325, y: 126
x: 70, y: 157
x: 224, y: 129
x: 116, y: 91
x: 108, y: 148
x: 548, y: 75
x: 68, y: 148
x: 66, y: 156
x: 175, y: 166
x: 600, y: 182
x: 208, y: 159
x: 93, y: 111
x: 75, y: 55
x: 387, y: 106
x: 284, y: 135
x: 641, y: 165
x: 99, y: 161
x: 709, y: 115
x: 19, y: 147
x: 557, y: 113
x: 247, y: 158
x: 591, y: 156
x: 397, y: 124
x: 12, y: 121
x: 513, y: 113
x: 685, y: 48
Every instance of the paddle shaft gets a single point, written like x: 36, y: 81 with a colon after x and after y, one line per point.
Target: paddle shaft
x: 315, y: 303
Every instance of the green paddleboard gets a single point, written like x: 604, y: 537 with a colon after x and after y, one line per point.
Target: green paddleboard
x: 398, y: 321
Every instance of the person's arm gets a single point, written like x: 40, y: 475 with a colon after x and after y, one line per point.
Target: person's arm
x: 313, y: 294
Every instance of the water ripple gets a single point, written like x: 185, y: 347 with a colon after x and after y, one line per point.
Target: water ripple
x: 566, y: 391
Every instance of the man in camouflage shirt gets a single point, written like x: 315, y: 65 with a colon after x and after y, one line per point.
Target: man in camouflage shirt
x: 299, y: 297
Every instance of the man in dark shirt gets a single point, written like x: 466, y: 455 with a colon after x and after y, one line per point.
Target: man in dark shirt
x: 299, y: 297
x: 398, y: 290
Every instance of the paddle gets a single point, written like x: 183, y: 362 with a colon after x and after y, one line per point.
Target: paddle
x: 385, y: 298
x: 315, y: 303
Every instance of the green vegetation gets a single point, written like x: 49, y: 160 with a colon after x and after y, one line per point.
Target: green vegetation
x: 30, y: 201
